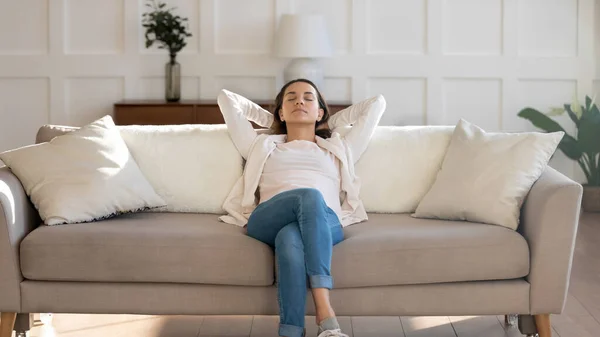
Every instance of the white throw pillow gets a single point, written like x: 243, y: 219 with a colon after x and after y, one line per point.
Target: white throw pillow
x: 485, y: 176
x: 82, y: 176
x: 192, y: 167
x: 400, y: 165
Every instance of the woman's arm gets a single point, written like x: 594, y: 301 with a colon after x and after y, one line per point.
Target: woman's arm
x: 364, y: 117
x: 237, y: 111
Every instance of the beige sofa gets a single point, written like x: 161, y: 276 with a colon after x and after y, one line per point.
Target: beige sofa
x: 191, y: 264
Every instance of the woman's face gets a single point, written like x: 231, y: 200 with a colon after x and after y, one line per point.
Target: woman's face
x: 300, y: 105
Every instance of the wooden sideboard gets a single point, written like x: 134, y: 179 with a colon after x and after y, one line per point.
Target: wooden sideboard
x: 160, y: 112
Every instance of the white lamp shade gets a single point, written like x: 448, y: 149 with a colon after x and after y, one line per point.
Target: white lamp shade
x: 302, y: 35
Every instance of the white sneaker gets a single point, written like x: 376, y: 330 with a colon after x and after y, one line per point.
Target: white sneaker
x: 332, y: 333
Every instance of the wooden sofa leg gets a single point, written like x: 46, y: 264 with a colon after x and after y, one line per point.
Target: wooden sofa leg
x: 7, y: 323
x: 542, y: 322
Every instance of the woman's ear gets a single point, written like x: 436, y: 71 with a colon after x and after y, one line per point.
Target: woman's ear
x: 321, y: 113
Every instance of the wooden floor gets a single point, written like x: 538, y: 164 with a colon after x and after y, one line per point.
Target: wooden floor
x: 581, y: 317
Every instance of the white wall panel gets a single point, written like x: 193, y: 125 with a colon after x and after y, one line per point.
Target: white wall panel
x: 337, y: 89
x: 244, y: 27
x: 23, y: 109
x: 595, y: 92
x: 473, y: 27
x: 405, y: 98
x: 88, y: 99
x: 259, y: 88
x: 396, y: 27
x: 24, y: 27
x: 548, y: 27
x: 476, y: 100
x: 94, y: 27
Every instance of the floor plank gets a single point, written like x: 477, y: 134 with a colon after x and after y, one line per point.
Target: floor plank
x: 476, y: 326
x: 555, y: 333
x: 386, y: 326
x: 581, y: 326
x: 428, y: 326
x: 120, y: 326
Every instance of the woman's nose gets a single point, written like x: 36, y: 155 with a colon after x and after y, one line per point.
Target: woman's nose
x: 299, y: 102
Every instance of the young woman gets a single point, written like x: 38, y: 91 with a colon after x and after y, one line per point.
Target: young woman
x: 299, y: 190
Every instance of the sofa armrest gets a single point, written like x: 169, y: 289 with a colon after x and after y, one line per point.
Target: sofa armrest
x: 18, y: 217
x: 549, y: 222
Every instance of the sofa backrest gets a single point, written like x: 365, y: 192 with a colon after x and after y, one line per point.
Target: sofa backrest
x: 194, y: 167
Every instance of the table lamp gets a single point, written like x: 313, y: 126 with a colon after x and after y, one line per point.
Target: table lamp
x: 303, y: 37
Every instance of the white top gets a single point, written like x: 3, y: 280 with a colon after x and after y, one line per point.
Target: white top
x: 302, y: 164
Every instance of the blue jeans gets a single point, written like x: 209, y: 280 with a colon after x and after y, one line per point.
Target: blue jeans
x: 302, y: 229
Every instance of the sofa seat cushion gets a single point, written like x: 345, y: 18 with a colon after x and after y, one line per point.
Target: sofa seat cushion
x: 396, y: 249
x: 148, y: 247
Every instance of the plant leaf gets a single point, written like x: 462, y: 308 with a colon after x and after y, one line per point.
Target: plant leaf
x: 573, y: 116
x: 568, y: 144
x: 164, y: 27
x: 540, y: 120
x: 589, y: 135
x: 591, y: 113
x: 570, y: 147
x: 594, y: 112
x: 575, y: 106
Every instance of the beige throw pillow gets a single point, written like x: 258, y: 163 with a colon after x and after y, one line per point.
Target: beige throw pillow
x: 485, y: 176
x: 85, y: 175
x: 400, y: 166
x: 192, y: 167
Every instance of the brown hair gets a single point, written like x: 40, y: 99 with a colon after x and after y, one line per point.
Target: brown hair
x: 279, y: 127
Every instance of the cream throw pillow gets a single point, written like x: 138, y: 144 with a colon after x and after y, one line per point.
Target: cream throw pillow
x: 400, y: 166
x: 485, y: 176
x: 85, y: 175
x: 192, y: 167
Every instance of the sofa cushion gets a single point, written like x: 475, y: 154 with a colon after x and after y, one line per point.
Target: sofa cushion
x: 198, y: 164
x: 388, y: 249
x: 408, y: 159
x: 148, y: 247
x: 396, y: 249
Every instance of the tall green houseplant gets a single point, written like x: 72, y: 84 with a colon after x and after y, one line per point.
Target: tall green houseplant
x: 169, y: 31
x: 584, y: 147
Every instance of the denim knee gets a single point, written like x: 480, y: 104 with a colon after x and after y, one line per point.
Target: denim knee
x: 310, y: 194
x: 289, y: 239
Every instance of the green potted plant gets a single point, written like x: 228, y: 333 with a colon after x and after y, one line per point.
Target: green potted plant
x: 585, y: 148
x: 169, y: 31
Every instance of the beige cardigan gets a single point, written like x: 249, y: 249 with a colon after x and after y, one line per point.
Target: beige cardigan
x: 255, y: 149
